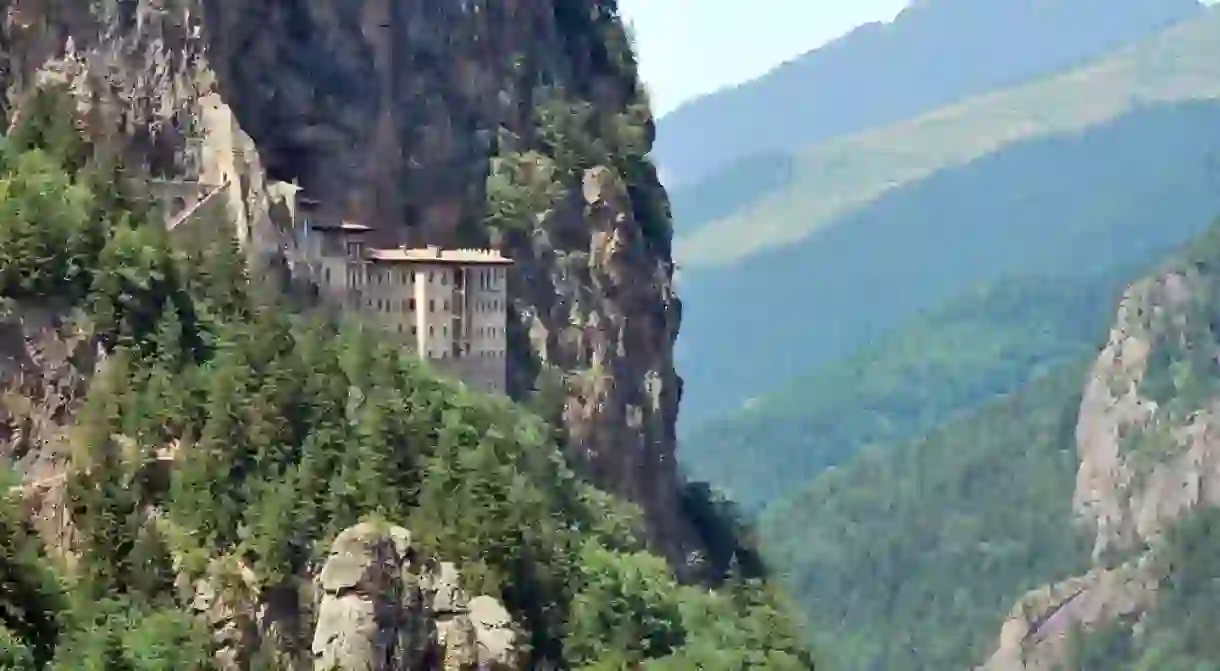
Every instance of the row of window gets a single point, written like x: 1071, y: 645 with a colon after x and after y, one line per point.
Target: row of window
x: 486, y: 276
x: 408, y: 305
x: 482, y: 332
x: 487, y: 354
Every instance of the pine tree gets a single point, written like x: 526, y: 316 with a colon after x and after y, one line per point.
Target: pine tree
x: 15, y: 655
x: 47, y: 120
x: 151, y: 571
x: 31, y: 602
x: 104, y: 501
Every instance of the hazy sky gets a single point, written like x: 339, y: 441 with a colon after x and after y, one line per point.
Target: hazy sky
x: 689, y: 47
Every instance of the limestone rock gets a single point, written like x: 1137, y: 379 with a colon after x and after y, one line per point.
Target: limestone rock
x: 446, y: 596
x: 497, y: 638
x: 370, y: 617
x: 385, y: 609
x: 227, y: 599
x: 1034, y: 637
x: 457, y: 644
x: 387, y: 112
x: 1143, y: 467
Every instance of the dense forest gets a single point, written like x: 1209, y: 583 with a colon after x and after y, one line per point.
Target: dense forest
x: 910, y: 554
x: 910, y: 557
x: 284, y: 428
x: 985, y: 343
x: 1179, y: 634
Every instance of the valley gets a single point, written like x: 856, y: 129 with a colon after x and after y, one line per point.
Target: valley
x: 956, y: 362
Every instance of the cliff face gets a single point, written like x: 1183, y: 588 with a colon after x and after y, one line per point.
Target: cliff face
x: 519, y: 125
x: 1148, y: 440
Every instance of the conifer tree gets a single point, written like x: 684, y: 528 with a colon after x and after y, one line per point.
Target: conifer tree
x: 31, y: 602
x: 151, y: 571
x: 47, y: 120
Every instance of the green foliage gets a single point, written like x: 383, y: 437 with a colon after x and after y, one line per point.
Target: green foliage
x: 1072, y: 207
x: 1179, y: 633
x: 14, y: 654
x: 46, y: 121
x: 31, y: 598
x: 985, y: 343
x: 743, y: 627
x: 47, y: 238
x: 521, y: 188
x: 626, y: 606
x: 729, y: 541
x: 910, y: 557
x: 224, y: 428
x: 114, y: 635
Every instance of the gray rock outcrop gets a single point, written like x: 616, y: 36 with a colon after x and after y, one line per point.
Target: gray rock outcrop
x: 1146, y: 462
x: 390, y: 114
x: 384, y: 608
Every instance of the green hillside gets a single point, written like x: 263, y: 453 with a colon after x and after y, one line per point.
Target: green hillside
x: 285, y: 428
x: 908, y: 559
x: 1067, y: 206
x: 987, y: 342
x: 842, y: 175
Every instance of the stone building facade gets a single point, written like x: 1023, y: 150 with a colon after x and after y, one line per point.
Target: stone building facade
x: 448, y: 305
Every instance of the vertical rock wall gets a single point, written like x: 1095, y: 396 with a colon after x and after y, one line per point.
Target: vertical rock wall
x: 391, y: 113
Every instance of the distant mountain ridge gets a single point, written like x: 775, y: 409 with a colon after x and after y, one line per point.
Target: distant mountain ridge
x: 934, y: 53
x: 1058, y: 205
x: 879, y: 224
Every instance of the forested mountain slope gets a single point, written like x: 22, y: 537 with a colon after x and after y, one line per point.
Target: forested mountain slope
x: 1057, y: 206
x: 205, y: 469
x: 859, y: 213
x: 833, y: 179
x: 934, y: 53
x: 978, y: 346
x: 908, y: 557
x: 1096, y: 481
x: 1145, y: 490
x: 223, y: 443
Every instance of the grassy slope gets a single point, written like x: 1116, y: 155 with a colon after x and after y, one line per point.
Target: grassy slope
x: 987, y: 342
x: 908, y: 559
x: 842, y: 175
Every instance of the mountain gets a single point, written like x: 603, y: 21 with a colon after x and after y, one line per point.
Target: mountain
x: 376, y: 127
x: 908, y: 558
x: 1144, y: 494
x: 936, y: 52
x: 833, y: 179
x: 1087, y: 497
x: 867, y: 213
x: 206, y: 465
x: 984, y: 344
x: 1059, y: 206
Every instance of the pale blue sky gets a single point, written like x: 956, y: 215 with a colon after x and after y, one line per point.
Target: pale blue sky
x: 690, y: 47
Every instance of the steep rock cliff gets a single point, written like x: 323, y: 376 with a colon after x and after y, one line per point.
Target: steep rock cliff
x: 1149, y: 450
x: 519, y: 125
